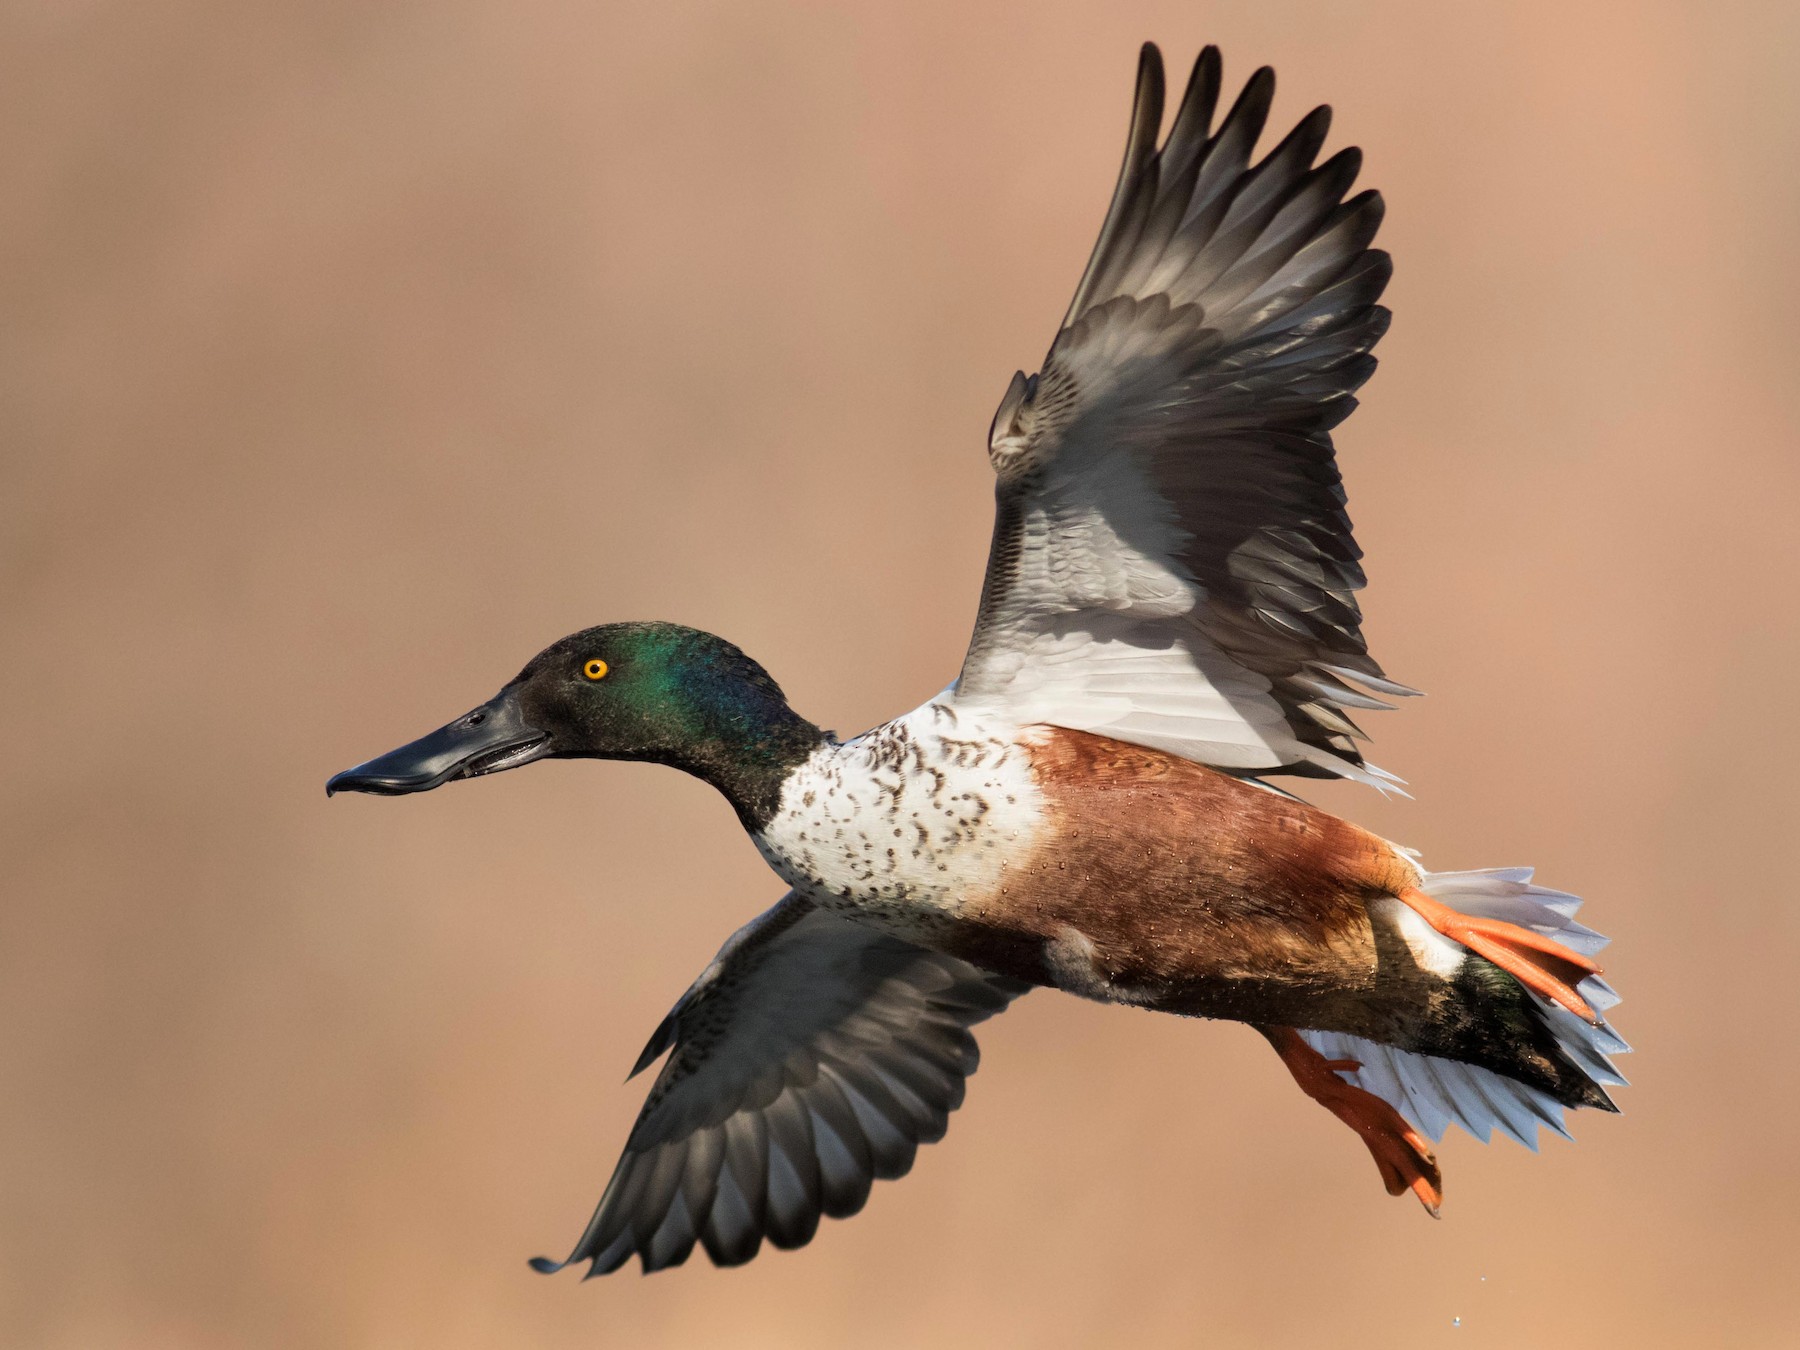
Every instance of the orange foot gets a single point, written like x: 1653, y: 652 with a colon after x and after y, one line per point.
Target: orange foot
x: 1401, y: 1152
x: 1541, y: 964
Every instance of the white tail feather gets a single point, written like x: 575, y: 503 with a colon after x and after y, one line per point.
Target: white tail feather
x: 1433, y: 1093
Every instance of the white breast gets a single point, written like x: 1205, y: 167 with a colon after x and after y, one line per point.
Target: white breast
x: 910, y: 821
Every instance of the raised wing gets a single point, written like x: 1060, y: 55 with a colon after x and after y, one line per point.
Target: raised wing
x: 1172, y: 564
x: 811, y: 1057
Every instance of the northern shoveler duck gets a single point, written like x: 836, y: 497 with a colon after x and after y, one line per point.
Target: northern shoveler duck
x: 1168, y: 620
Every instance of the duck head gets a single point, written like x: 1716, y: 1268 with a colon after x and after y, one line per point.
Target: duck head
x: 637, y: 691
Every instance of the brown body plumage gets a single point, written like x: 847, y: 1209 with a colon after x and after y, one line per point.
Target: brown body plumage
x: 1164, y: 883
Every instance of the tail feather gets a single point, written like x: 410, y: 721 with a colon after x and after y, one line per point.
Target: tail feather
x: 1433, y: 1092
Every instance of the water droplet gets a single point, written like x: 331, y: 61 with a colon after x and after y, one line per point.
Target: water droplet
x: 1456, y: 1321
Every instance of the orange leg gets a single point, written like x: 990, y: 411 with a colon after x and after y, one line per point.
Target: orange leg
x: 1541, y: 964
x: 1401, y: 1152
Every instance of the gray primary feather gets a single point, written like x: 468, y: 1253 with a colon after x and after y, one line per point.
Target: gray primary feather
x: 811, y: 1057
x: 1172, y: 561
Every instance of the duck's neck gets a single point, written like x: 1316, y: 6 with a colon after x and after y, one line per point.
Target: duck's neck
x: 752, y: 741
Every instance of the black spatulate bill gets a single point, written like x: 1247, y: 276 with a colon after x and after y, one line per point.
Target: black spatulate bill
x: 493, y: 737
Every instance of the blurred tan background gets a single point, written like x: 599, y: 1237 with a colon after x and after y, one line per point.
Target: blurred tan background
x: 353, y: 352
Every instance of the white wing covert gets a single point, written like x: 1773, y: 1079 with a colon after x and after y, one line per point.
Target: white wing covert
x: 813, y: 1056
x: 1172, y: 564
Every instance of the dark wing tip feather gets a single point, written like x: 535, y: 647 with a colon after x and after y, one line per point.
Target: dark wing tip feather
x: 1198, y: 104
x: 660, y: 1040
x: 1140, y: 147
x: 1251, y: 110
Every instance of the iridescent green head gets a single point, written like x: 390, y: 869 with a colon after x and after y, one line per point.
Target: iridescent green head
x: 642, y: 691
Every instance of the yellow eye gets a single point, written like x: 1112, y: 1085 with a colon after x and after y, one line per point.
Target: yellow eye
x: 595, y: 669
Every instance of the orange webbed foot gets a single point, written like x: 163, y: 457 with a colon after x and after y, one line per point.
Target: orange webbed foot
x: 1402, y: 1154
x: 1543, y: 965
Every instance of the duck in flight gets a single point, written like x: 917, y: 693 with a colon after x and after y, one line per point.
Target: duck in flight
x: 1168, y: 621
